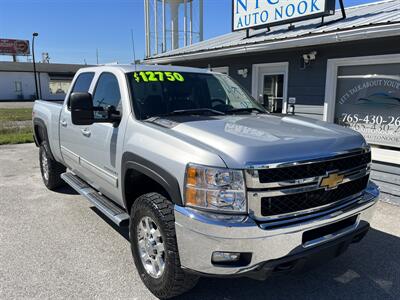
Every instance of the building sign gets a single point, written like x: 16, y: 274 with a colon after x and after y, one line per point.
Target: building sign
x: 14, y: 47
x: 368, y: 101
x: 262, y: 13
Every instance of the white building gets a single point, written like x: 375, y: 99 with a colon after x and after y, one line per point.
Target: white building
x: 17, y: 81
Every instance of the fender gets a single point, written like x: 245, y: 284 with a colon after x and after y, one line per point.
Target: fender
x: 164, y: 178
x: 42, y: 126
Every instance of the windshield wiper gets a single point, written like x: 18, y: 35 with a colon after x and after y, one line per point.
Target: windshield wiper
x: 247, y: 109
x: 190, y: 112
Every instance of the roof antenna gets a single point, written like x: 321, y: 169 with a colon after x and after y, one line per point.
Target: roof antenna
x: 133, y: 48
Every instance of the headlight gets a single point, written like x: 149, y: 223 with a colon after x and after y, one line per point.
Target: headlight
x: 215, y: 189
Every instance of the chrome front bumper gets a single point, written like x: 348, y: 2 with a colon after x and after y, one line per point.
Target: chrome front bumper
x: 199, y: 234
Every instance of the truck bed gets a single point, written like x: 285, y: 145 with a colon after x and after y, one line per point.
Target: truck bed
x: 48, y: 112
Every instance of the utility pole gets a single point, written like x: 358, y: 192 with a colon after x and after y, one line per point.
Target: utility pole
x: 35, y: 34
x: 133, y: 47
x: 97, y: 55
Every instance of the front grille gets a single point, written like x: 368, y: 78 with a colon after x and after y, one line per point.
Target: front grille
x: 314, y: 169
x: 286, y: 204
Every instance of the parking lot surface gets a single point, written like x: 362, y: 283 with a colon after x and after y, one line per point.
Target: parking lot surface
x: 56, y: 245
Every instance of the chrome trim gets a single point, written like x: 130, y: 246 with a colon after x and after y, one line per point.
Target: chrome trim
x: 283, y: 192
x: 256, y: 190
x: 103, y: 174
x: 253, y: 182
x: 203, y: 233
x: 351, y: 176
x: 312, y: 213
x: 333, y: 156
x: 298, y: 214
x: 254, y: 200
x: 347, y: 204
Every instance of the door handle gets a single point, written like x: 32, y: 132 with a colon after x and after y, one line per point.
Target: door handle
x: 86, y: 132
x: 63, y: 123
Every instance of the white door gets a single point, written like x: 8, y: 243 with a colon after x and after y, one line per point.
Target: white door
x: 72, y: 139
x: 270, y: 86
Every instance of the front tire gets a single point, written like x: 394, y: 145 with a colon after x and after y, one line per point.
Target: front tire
x: 50, y: 169
x: 154, y: 247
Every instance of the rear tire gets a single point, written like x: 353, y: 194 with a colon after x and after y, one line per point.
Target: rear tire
x: 50, y: 169
x: 168, y: 280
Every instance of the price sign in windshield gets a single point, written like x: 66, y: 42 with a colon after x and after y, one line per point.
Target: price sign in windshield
x: 158, y: 76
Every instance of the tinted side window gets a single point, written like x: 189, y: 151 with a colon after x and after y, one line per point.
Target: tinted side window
x: 107, y: 92
x: 82, y: 83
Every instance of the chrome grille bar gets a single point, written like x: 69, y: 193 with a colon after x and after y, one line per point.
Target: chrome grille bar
x: 256, y: 190
x: 308, y: 184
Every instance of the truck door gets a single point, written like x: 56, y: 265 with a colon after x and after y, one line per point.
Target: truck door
x: 99, y: 149
x: 71, y: 137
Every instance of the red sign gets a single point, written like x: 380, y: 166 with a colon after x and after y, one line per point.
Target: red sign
x: 14, y: 47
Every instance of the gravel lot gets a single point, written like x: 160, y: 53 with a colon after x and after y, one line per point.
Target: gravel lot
x: 55, y: 245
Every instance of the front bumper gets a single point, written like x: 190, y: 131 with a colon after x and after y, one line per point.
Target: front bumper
x: 200, y: 234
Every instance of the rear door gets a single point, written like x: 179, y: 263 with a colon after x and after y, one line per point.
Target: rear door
x: 71, y: 136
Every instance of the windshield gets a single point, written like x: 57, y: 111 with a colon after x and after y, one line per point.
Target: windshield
x: 159, y: 93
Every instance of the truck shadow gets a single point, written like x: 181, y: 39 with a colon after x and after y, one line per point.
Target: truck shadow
x: 367, y: 270
x: 67, y: 190
x: 123, y: 231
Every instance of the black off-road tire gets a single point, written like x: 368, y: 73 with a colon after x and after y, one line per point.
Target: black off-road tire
x: 54, y: 169
x: 174, y: 281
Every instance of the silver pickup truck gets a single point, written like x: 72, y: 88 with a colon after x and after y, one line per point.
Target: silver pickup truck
x: 209, y: 182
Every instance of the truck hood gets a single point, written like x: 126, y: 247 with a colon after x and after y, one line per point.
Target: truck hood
x: 262, y: 139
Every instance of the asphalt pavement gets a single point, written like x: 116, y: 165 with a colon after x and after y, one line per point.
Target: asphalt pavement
x: 56, y: 245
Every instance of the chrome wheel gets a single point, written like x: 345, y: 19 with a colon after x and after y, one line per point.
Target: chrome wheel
x: 45, y: 166
x: 151, y: 247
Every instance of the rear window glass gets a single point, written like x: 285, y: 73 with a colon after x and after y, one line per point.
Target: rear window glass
x: 82, y: 83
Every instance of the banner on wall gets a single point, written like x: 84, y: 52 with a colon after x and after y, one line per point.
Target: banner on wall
x: 369, y: 102
x: 264, y: 13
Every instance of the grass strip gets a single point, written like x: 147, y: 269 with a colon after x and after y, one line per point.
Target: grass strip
x: 15, y: 114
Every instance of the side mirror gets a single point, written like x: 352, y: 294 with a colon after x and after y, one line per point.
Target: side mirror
x: 82, y: 112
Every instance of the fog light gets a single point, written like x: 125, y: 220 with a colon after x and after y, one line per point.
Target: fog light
x: 225, y: 257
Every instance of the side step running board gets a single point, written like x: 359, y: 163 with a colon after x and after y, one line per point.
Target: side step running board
x: 105, y: 205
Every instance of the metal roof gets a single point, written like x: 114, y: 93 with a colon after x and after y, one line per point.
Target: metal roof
x: 40, y: 67
x: 373, y: 20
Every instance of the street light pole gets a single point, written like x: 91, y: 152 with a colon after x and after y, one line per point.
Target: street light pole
x: 35, y: 34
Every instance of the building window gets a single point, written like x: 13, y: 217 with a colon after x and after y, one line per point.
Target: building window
x: 368, y: 101
x: 273, y: 92
x: 59, y: 86
x: 18, y: 86
x: 270, y: 85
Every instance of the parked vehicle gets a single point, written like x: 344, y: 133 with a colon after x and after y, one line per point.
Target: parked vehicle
x: 210, y: 183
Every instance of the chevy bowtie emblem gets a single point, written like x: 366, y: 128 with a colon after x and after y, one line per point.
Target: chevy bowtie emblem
x: 331, y: 181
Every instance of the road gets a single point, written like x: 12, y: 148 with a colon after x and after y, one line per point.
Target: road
x: 55, y: 245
